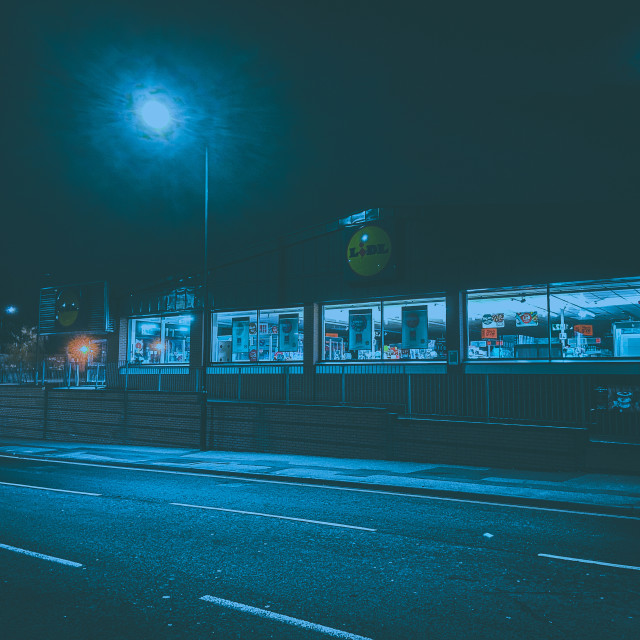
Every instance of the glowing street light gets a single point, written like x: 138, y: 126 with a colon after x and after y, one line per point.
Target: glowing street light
x: 156, y: 114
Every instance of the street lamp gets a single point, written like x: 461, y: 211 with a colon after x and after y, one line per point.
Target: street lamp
x: 8, y: 311
x: 156, y: 112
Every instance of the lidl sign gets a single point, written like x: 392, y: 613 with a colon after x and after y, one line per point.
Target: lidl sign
x: 369, y: 251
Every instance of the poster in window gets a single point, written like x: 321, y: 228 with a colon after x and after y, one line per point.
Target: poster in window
x: 240, y: 335
x: 527, y: 319
x: 493, y: 320
x: 360, y: 330
x: 414, y: 328
x: 584, y: 329
x: 288, y: 332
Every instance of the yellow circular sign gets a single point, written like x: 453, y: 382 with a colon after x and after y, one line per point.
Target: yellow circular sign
x: 67, y: 307
x: 369, y: 250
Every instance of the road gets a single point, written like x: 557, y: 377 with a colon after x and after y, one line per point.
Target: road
x: 152, y: 554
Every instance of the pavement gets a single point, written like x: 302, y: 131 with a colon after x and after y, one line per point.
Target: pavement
x: 589, y: 492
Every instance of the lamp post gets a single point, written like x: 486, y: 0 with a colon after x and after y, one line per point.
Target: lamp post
x: 155, y: 114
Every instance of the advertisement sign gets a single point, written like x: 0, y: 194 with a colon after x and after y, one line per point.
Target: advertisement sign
x: 488, y: 333
x: 414, y: 328
x: 369, y: 250
x: 493, y: 320
x: 527, y: 319
x: 74, y: 309
x: 240, y: 335
x: 360, y: 330
x: 584, y: 329
x: 288, y: 332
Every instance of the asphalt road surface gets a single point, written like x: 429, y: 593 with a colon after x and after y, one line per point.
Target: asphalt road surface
x: 97, y: 552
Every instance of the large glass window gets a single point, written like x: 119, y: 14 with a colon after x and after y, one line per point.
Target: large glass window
x: 160, y: 340
x: 385, y: 330
x: 352, y: 332
x: 596, y: 319
x: 268, y: 335
x: 414, y: 330
x: 509, y: 323
x: 177, y: 338
x: 280, y: 335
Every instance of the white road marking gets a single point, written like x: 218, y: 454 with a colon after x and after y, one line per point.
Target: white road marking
x: 604, y: 564
x: 28, y: 486
x: 296, y: 622
x: 271, y: 515
x: 41, y: 556
x: 329, y: 487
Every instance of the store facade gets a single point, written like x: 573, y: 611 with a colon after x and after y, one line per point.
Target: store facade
x: 376, y: 309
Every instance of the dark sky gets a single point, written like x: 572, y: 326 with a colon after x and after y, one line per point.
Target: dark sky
x: 311, y: 111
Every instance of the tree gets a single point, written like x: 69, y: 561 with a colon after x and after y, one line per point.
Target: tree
x: 19, y: 345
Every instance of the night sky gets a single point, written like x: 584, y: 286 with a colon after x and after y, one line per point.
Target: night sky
x: 311, y: 111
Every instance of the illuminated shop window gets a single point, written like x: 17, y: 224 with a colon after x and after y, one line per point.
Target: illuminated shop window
x: 596, y: 319
x: 386, y: 330
x: 177, y: 339
x: 267, y: 335
x: 414, y: 330
x: 509, y: 324
x: 280, y: 335
x: 160, y: 340
x: 352, y: 332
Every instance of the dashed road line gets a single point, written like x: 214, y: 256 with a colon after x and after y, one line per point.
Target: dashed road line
x: 28, y: 486
x: 40, y: 556
x: 296, y: 622
x: 271, y: 515
x: 603, y: 564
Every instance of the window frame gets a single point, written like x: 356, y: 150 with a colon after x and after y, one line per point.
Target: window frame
x: 382, y: 302
x: 553, y: 291
x: 162, y: 318
x: 251, y: 313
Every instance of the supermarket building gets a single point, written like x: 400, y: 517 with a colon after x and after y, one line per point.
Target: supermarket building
x: 372, y: 337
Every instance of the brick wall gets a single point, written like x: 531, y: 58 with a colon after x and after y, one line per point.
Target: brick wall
x: 21, y: 412
x: 490, y: 444
x: 84, y: 416
x: 174, y: 419
x: 107, y: 417
x: 347, y: 432
x: 164, y: 419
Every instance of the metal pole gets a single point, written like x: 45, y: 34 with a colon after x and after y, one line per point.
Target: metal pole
x: 37, y: 345
x: 206, y: 320
x: 206, y: 316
